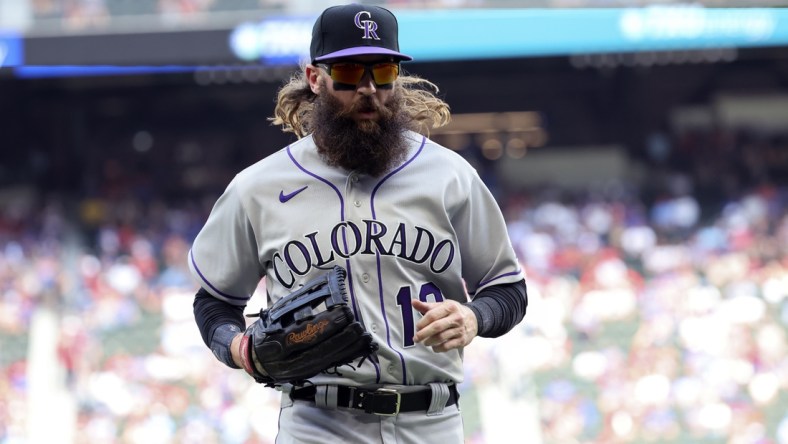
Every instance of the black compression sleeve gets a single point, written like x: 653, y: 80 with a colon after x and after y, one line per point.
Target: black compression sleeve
x: 218, y: 322
x: 499, y: 308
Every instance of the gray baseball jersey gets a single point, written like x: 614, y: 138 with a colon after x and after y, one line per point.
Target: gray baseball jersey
x: 429, y: 229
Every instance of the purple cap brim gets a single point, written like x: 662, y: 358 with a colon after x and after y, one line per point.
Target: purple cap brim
x: 363, y: 50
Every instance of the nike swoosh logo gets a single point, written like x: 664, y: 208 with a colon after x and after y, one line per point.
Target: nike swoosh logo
x: 285, y: 197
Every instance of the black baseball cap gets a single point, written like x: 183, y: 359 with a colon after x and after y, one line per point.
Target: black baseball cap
x: 350, y: 30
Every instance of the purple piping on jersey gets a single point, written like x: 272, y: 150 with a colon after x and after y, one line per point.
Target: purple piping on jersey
x: 377, y: 254
x: 353, y: 297
x: 344, y: 239
x: 336, y: 190
x: 204, y: 279
x: 481, y: 284
x: 341, y: 215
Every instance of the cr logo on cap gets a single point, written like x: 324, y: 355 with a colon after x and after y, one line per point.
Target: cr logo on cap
x: 368, y: 26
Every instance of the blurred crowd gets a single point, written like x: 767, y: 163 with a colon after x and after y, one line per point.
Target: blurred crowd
x: 649, y: 325
x: 659, y: 319
x: 128, y: 351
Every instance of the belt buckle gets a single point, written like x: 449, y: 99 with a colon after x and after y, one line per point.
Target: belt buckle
x: 384, y: 394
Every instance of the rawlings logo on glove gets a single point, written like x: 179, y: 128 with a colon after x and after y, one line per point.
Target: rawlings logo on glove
x: 307, y: 332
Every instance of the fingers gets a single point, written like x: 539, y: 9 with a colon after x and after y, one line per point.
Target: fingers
x: 434, y: 317
x: 458, y: 342
x: 438, y: 332
x: 420, y: 306
x: 446, y: 340
x: 443, y: 326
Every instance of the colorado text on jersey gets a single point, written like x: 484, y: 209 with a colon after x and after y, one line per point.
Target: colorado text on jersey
x: 414, y: 244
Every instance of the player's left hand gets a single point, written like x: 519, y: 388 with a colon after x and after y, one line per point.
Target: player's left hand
x: 445, y: 325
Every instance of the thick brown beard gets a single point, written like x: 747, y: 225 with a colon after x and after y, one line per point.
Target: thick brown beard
x: 368, y: 146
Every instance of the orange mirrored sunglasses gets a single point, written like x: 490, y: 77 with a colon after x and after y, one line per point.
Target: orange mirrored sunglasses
x: 350, y: 73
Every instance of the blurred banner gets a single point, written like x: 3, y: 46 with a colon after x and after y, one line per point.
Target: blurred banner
x: 434, y: 35
x: 10, y: 50
x: 441, y: 35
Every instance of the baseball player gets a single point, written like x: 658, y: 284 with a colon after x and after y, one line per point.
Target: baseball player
x: 424, y: 244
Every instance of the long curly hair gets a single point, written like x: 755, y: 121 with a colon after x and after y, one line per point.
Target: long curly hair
x: 295, y: 101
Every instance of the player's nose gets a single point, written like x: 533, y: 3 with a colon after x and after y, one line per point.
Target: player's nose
x: 366, y: 86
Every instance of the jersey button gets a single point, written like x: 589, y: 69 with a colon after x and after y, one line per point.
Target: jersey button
x: 365, y: 278
x: 357, y: 203
x: 374, y: 328
x: 354, y: 179
x: 391, y: 369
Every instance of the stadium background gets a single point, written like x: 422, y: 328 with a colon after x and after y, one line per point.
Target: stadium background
x: 644, y: 188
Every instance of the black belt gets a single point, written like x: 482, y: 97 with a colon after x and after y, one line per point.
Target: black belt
x: 385, y: 401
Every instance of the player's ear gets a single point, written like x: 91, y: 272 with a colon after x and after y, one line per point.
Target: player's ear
x: 313, y: 77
